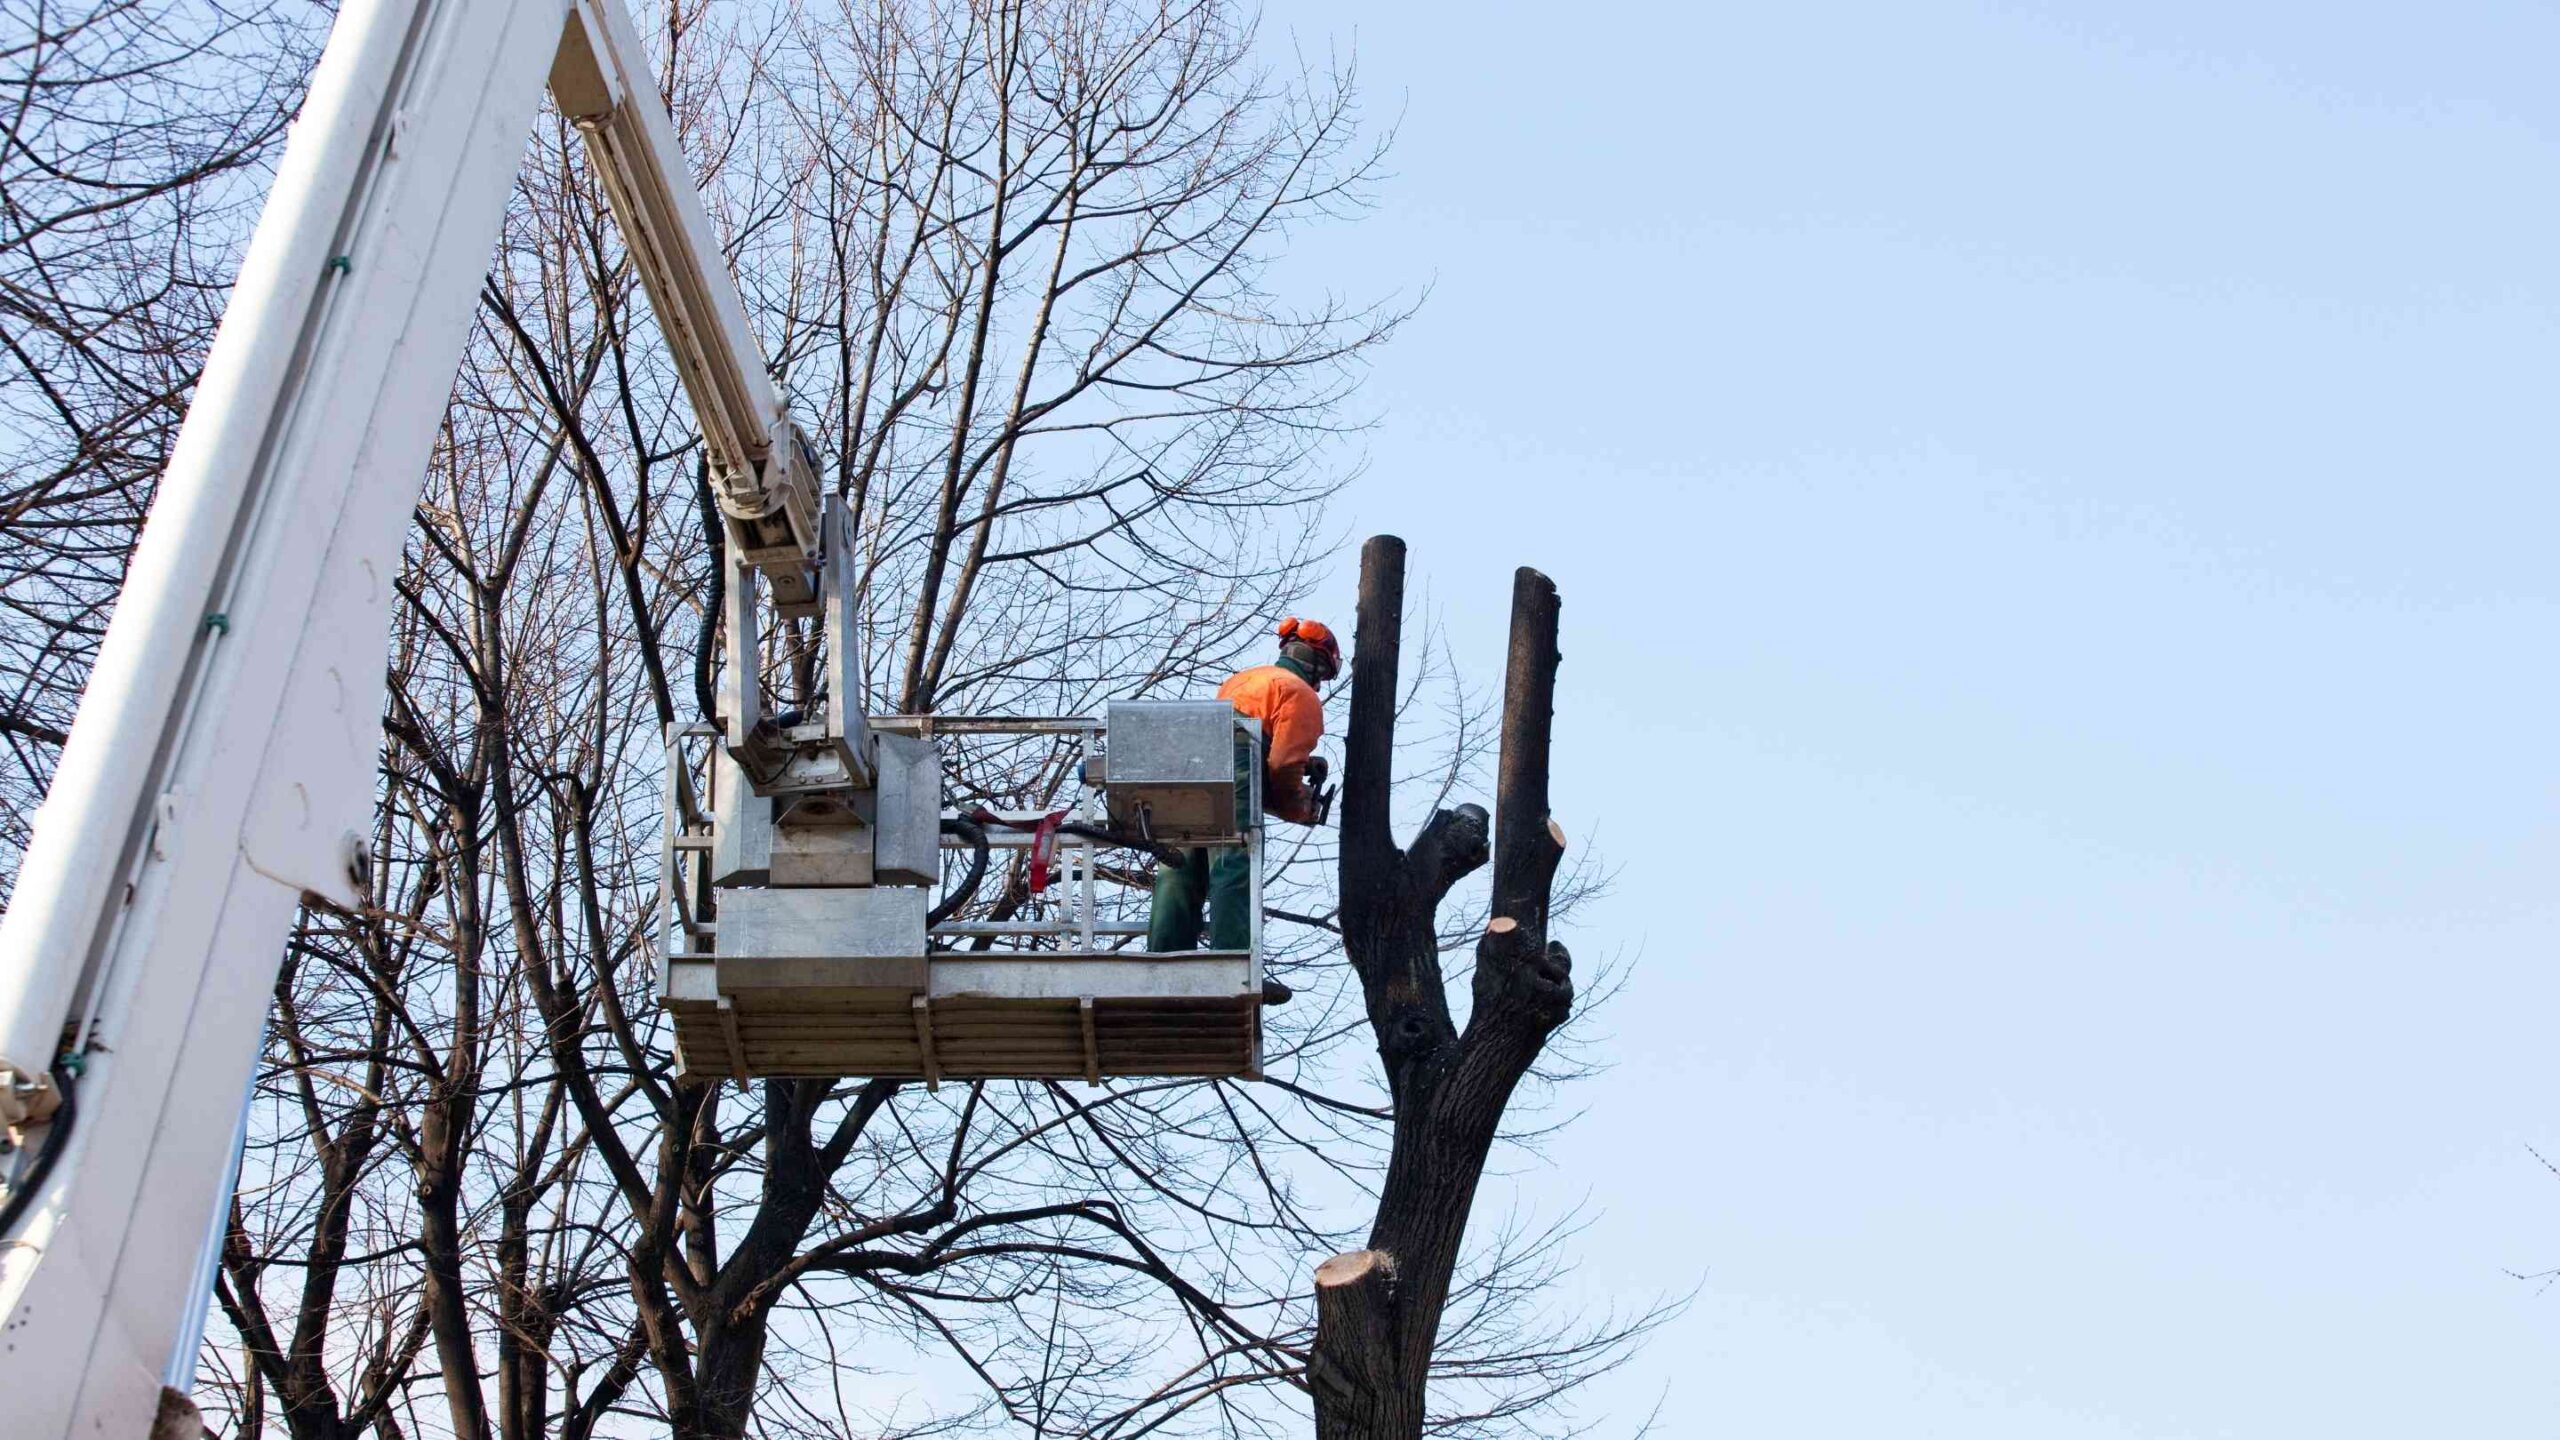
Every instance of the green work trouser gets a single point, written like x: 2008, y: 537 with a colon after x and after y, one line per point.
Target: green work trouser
x: 1221, y: 876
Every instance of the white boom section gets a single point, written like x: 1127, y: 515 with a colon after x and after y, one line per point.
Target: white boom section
x: 223, y: 763
x: 760, y: 468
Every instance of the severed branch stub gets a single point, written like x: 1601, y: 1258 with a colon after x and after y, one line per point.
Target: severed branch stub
x: 1378, y: 1309
x: 1355, y: 1297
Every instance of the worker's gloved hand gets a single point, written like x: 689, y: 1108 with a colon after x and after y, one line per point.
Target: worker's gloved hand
x: 1296, y: 795
x: 1286, y: 796
x: 1289, y: 799
x: 1319, y: 795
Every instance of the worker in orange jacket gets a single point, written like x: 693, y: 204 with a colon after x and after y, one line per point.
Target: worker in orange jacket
x: 1282, y: 695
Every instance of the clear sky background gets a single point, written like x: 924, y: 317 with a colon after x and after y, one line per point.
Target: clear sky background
x: 2055, y: 507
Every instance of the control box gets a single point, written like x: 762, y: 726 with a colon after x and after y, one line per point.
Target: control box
x: 1179, y: 771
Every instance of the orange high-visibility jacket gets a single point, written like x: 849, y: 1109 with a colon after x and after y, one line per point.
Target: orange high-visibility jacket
x: 1292, y: 717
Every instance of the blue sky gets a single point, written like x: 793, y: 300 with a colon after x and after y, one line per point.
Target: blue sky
x: 2055, y: 509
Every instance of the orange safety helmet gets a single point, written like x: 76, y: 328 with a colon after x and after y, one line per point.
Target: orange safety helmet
x: 1316, y: 638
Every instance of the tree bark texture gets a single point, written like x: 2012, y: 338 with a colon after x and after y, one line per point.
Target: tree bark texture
x: 1378, y: 1310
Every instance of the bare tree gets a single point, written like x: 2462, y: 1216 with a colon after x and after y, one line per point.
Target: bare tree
x: 1379, y: 1309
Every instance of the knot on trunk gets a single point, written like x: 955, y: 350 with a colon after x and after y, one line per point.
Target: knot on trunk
x: 1453, y: 845
x: 1549, y: 984
x: 1408, y: 1041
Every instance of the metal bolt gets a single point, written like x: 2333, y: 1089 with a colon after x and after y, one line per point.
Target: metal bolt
x: 359, y: 860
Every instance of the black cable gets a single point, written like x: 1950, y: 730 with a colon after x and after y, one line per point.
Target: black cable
x: 57, y: 1133
x: 976, y: 835
x: 1169, y: 854
x: 1166, y: 853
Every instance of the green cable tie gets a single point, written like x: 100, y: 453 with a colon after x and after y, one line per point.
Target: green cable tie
x: 217, y: 620
x: 341, y: 264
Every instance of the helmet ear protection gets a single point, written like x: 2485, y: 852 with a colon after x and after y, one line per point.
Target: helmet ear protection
x: 1315, y: 645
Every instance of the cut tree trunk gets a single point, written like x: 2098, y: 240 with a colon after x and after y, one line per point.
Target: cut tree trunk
x: 1378, y: 1310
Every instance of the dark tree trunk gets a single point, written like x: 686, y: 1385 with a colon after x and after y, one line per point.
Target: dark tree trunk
x: 712, y: 1382
x: 1378, y: 1309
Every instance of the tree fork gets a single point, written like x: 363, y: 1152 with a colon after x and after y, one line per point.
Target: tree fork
x: 1378, y: 1309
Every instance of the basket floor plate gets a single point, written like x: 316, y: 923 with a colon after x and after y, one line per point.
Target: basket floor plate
x: 991, y: 1016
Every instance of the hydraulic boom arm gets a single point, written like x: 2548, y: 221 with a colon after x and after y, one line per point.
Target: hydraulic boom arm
x: 760, y: 467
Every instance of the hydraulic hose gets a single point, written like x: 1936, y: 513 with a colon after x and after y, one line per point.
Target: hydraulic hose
x: 1095, y: 833
x: 57, y: 1133
x: 976, y: 835
x: 1166, y: 853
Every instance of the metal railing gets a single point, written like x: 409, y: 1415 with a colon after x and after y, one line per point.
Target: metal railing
x: 1076, y: 917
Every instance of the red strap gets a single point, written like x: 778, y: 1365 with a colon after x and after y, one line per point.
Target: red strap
x: 1044, y: 847
x: 1044, y: 840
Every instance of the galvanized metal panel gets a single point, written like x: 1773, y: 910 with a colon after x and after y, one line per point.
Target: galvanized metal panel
x: 822, y: 855
x: 1171, y: 742
x: 793, y: 924
x: 1203, y: 973
x: 741, y: 826
x: 690, y: 982
x: 1172, y: 769
x: 773, y: 940
x: 846, y: 683
x: 909, y: 848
